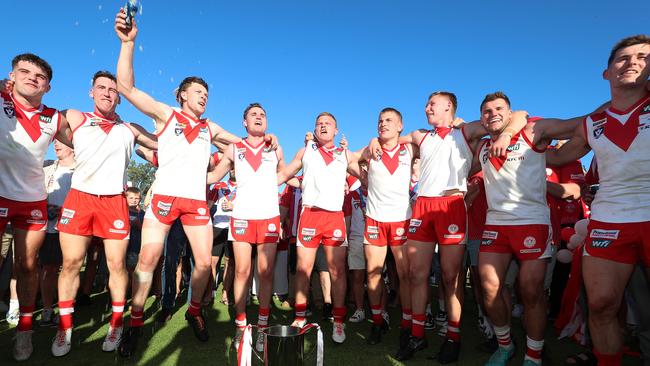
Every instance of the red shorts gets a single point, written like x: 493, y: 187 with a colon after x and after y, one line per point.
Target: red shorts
x: 166, y: 209
x: 321, y: 226
x: 30, y: 216
x: 103, y: 216
x: 526, y: 242
x: 621, y: 242
x: 441, y: 220
x: 385, y: 233
x: 255, y: 231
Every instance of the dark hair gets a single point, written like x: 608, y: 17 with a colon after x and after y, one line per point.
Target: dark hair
x: 391, y: 109
x: 186, y: 84
x: 329, y: 115
x: 134, y: 190
x: 450, y: 95
x: 627, y: 42
x: 494, y: 96
x: 251, y: 106
x: 32, y: 58
x: 103, y: 74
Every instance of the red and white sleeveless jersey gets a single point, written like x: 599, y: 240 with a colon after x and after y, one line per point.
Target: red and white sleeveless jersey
x: 257, y: 181
x: 323, y: 182
x: 26, y: 135
x: 102, y: 150
x: 183, y: 157
x: 388, y: 185
x: 445, y: 161
x: 515, y: 185
x: 621, y: 144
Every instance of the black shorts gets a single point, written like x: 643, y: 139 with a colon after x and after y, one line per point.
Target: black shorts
x: 50, y: 252
x: 220, y: 244
x: 320, y: 264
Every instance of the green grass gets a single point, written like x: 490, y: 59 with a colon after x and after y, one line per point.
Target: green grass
x: 175, y: 344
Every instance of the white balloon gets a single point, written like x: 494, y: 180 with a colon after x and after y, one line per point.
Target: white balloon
x: 576, y: 239
x: 581, y: 227
x: 571, y: 245
x: 564, y: 256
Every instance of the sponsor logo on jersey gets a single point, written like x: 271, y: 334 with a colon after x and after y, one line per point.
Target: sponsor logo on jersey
x: 415, y: 223
x: 271, y: 234
x: 163, y: 213
x: 45, y: 119
x: 164, y: 206
x: 373, y: 229
x: 9, y: 109
x: 646, y: 108
x: 490, y: 234
x: 529, y: 242
x: 308, y: 231
x: 201, y: 210
x: 271, y: 227
x: 118, y: 224
x: 453, y: 228
x: 240, y: 231
x: 313, y: 146
x: 241, y: 155
x: 412, y: 229
x: 355, y: 204
x: 337, y: 233
x: 399, y: 231
x: 599, y: 132
x: 4, y: 211
x: 577, y: 177
x: 528, y: 251
x: 67, y: 213
x: 486, y: 242
x: 600, y: 243
x: 179, y: 128
x: 600, y: 122
x: 452, y: 236
x: 116, y: 231
x: 239, y: 223
x: 604, y: 234
x: 484, y: 156
x: 36, y: 214
x: 514, y: 147
x: 306, y: 238
x: 373, y: 236
x: 64, y: 220
x: 402, y: 152
x: 203, y: 130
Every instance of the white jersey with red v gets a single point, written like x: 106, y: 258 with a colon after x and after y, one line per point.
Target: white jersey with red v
x: 102, y: 150
x: 26, y: 134
x: 515, y: 184
x: 257, y: 181
x: 183, y: 156
x: 621, y: 144
x: 388, y: 185
x: 324, y: 171
x: 445, y: 161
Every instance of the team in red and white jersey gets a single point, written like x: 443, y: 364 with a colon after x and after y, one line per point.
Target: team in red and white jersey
x: 256, y: 215
x: 321, y: 222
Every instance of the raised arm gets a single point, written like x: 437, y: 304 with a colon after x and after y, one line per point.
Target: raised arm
x: 224, y: 166
x: 572, y: 150
x: 160, y: 112
x: 292, y: 168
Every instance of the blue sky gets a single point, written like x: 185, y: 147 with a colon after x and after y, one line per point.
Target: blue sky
x: 351, y: 58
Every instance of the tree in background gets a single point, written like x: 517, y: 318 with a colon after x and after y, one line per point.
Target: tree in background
x: 141, y: 175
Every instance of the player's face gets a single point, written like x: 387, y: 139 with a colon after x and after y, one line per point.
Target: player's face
x: 255, y: 121
x: 196, y: 98
x: 30, y: 80
x: 105, y: 95
x: 325, y: 129
x: 61, y: 150
x: 132, y: 199
x: 630, y: 66
x: 389, y: 125
x: 438, y: 107
x: 495, y: 115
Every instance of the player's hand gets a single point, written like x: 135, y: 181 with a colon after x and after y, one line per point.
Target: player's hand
x: 271, y: 140
x: 124, y: 32
x: 458, y: 122
x: 500, y: 146
x: 227, y: 205
x: 374, y: 147
x: 344, y: 142
x: 309, y: 136
x: 6, y: 86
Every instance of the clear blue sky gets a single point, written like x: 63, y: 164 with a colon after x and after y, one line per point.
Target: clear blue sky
x: 351, y: 58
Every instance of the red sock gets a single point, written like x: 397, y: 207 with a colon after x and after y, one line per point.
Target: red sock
x: 194, y: 309
x: 118, y: 313
x: 608, y: 360
x: 137, y: 317
x: 25, y: 318
x: 240, y: 320
x: 417, y: 329
x: 377, y: 319
x: 339, y: 314
x: 301, y: 311
x: 263, y: 317
x: 407, y: 318
x: 453, y: 330
x: 66, y: 308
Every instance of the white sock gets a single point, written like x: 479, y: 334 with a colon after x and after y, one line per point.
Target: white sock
x: 13, y: 304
